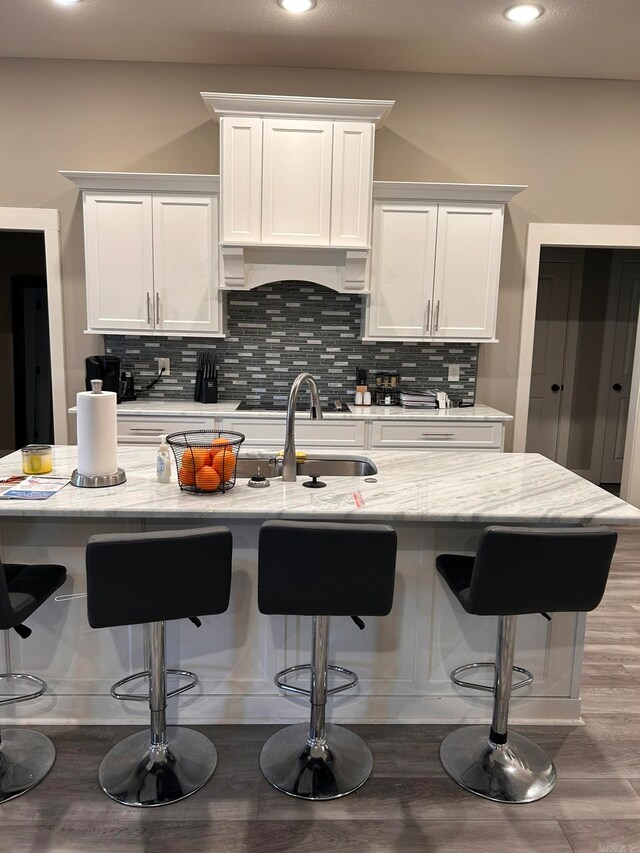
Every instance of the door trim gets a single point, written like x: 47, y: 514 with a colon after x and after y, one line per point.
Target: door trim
x: 580, y: 236
x: 48, y: 221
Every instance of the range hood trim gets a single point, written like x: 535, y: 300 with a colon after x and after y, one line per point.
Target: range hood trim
x: 339, y: 269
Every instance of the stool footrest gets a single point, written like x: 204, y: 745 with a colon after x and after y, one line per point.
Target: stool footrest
x: 20, y: 676
x: 290, y: 688
x: 132, y: 697
x: 528, y: 677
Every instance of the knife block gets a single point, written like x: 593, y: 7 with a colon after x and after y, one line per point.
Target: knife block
x: 206, y: 390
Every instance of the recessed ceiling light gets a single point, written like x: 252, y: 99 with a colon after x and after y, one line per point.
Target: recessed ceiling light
x: 524, y: 13
x: 66, y: 2
x: 297, y: 5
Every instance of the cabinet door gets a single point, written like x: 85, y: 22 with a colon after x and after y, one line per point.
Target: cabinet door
x: 185, y: 263
x: 119, y: 261
x: 465, y: 289
x: 241, y: 179
x: 351, y: 183
x: 296, y: 202
x: 402, y: 264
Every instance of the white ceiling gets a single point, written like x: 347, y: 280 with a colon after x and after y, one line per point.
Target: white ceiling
x: 574, y: 38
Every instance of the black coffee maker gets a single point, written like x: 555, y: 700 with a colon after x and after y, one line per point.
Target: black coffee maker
x: 107, y: 368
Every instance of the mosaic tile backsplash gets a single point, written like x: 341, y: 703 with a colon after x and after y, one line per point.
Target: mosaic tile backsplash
x: 279, y: 330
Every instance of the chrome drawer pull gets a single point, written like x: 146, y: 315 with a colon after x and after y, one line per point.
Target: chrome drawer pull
x: 438, y: 434
x: 154, y: 430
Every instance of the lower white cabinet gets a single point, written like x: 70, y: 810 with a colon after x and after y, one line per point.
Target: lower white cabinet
x: 270, y: 432
x: 428, y: 435
x: 144, y: 429
x: 327, y: 433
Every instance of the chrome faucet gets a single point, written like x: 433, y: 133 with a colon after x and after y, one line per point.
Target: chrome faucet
x: 289, y: 469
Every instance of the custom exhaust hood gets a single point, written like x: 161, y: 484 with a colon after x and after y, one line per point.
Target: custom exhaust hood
x: 296, y: 177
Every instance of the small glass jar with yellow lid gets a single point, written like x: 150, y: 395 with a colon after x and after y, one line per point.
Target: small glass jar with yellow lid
x: 36, y: 459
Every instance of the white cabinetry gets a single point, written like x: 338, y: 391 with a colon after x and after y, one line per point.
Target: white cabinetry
x: 270, y: 432
x: 296, y: 173
x: 151, y: 256
x: 435, y: 265
x: 428, y: 435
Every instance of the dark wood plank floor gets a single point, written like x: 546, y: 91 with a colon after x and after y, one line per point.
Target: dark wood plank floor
x: 409, y: 804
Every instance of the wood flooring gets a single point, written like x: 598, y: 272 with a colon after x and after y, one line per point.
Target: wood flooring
x: 409, y: 804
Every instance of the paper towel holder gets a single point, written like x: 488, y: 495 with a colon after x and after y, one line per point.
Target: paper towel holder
x: 87, y: 481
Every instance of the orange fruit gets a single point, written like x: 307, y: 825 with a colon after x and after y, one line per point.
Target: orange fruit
x: 224, y: 461
x: 187, y: 476
x: 195, y: 457
x: 219, y: 442
x: 207, y: 478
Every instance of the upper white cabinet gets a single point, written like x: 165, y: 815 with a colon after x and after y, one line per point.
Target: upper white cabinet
x: 435, y: 262
x: 296, y: 173
x: 151, y: 256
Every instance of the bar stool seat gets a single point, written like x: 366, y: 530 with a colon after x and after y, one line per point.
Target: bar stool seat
x: 322, y: 570
x: 26, y: 756
x: 517, y: 571
x: 150, y: 578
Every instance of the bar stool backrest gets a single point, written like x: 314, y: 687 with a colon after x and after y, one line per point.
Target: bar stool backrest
x: 310, y: 568
x: 8, y: 617
x: 531, y: 570
x: 153, y: 577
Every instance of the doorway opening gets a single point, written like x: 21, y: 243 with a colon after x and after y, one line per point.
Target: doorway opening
x: 588, y: 237
x: 583, y: 351
x: 33, y: 377
x: 25, y: 380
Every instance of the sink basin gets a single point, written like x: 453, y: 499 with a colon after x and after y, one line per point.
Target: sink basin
x: 321, y: 466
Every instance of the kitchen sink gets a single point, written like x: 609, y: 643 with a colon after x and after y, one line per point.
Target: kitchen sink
x: 320, y: 466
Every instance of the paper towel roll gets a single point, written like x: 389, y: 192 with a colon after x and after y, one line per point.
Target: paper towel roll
x: 97, y: 434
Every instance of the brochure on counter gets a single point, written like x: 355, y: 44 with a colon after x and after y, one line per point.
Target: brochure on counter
x: 30, y: 488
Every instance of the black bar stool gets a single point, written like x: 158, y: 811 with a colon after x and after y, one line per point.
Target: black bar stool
x: 150, y: 578
x: 515, y: 571
x: 322, y: 570
x: 25, y: 756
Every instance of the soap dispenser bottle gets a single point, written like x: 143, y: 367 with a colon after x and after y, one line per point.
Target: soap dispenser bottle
x: 163, y: 461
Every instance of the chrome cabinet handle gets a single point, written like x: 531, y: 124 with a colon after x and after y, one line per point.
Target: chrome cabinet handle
x: 427, y: 317
x: 157, y: 309
x: 437, y: 315
x: 438, y: 434
x: 154, y: 430
x: 148, y: 309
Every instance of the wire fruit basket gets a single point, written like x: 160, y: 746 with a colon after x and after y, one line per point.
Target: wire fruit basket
x: 206, y: 459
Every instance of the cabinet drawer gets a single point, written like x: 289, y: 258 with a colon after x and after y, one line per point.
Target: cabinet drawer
x: 147, y: 430
x: 271, y: 432
x: 427, y: 434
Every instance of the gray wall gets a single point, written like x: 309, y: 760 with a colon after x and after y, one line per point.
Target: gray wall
x: 574, y: 142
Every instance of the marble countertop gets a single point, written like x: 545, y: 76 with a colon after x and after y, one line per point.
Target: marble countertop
x: 435, y: 487
x: 189, y: 408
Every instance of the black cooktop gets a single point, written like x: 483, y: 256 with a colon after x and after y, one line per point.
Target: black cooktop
x: 270, y: 405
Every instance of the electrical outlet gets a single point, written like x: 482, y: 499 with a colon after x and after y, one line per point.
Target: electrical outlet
x: 454, y: 373
x: 166, y: 363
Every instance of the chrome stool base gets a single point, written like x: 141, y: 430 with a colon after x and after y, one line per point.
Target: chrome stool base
x: 137, y: 773
x: 25, y: 759
x: 334, y: 766
x: 515, y: 772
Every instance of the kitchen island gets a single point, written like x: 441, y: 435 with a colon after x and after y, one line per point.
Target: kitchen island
x: 437, y: 501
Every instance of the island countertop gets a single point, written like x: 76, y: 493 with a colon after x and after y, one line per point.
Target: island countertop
x: 439, y: 486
